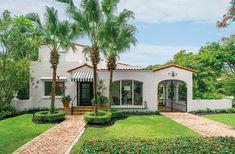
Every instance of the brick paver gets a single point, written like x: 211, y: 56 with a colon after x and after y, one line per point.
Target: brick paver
x: 57, y: 139
x: 201, y: 125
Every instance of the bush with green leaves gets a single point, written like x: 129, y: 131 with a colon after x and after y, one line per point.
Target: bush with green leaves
x: 210, y: 111
x: 48, y: 117
x: 169, y: 145
x: 103, y: 117
x: 127, y: 113
x: 9, y: 111
x: 117, y: 113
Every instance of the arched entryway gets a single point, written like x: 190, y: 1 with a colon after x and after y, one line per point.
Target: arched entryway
x: 172, y: 96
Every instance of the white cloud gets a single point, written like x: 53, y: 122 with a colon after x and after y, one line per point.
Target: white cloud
x: 145, y: 54
x: 146, y: 10
x: 176, y: 10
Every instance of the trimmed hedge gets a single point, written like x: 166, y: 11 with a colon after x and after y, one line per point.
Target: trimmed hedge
x: 47, y: 117
x: 117, y: 113
x: 127, y: 113
x: 170, y: 145
x: 103, y: 117
x: 209, y: 111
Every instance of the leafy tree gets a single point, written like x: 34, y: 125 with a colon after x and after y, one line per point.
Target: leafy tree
x: 55, y: 34
x: 18, y: 48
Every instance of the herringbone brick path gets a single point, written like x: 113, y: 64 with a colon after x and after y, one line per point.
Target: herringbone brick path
x: 57, y: 139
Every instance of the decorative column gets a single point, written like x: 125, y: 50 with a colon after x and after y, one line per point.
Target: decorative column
x: 176, y: 90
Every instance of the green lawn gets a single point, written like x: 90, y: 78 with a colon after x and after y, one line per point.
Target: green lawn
x: 228, y: 119
x: 14, y: 132
x: 137, y: 126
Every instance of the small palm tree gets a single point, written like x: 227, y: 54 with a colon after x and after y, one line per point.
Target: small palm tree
x: 118, y: 36
x: 55, y: 34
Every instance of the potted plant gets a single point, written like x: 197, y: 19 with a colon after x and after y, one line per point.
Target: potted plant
x: 66, y: 100
x: 102, y: 100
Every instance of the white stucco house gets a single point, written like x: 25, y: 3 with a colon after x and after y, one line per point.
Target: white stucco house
x: 134, y: 87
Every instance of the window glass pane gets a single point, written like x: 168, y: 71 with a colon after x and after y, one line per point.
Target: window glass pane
x: 47, y: 88
x: 116, y: 93
x: 127, y: 92
x: 138, y: 93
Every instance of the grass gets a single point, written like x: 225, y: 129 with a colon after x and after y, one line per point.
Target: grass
x: 16, y: 131
x: 228, y: 119
x: 138, y: 127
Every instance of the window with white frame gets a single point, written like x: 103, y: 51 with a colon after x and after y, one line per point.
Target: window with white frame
x: 48, y: 86
x: 127, y: 92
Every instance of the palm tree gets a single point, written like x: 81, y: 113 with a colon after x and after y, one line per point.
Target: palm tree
x: 89, y: 19
x: 55, y: 34
x: 118, y: 37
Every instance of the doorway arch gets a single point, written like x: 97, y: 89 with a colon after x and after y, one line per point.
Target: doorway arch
x: 172, y: 96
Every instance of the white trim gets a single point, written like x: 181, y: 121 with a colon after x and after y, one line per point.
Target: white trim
x: 50, y: 78
x: 48, y: 97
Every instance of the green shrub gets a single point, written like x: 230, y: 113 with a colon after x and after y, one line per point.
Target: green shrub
x: 209, y: 111
x: 117, y: 113
x: 169, y: 145
x: 103, y: 117
x: 48, y: 117
x: 127, y: 113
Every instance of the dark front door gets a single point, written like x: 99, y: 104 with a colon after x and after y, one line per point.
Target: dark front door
x: 86, y: 93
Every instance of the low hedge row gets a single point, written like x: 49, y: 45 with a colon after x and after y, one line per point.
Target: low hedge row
x: 127, y: 113
x: 232, y: 110
x: 103, y: 117
x: 48, y: 117
x: 12, y: 112
x: 174, y: 146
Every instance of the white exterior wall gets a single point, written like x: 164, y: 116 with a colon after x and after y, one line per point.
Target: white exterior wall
x: 42, y: 72
x: 210, y: 104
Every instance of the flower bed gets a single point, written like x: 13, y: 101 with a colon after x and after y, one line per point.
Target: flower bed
x: 48, y: 117
x: 170, y: 145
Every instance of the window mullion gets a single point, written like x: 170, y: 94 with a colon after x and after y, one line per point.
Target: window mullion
x: 132, y: 92
x: 120, y: 92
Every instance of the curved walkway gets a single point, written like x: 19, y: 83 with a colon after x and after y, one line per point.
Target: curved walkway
x: 201, y: 125
x: 57, y: 139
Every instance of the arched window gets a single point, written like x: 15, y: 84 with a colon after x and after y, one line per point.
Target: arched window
x: 127, y: 92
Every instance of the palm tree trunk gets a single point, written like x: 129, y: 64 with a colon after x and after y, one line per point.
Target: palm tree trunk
x: 54, y: 60
x: 95, y: 88
x: 53, y: 87
x: 110, y: 89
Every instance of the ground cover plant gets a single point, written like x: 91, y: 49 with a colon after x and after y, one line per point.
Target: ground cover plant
x: 16, y: 131
x: 228, y: 119
x: 169, y: 145
x: 155, y: 126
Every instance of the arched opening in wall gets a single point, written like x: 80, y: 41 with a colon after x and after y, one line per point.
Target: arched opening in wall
x: 172, y: 96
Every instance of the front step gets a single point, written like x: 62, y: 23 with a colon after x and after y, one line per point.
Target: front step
x: 80, y: 110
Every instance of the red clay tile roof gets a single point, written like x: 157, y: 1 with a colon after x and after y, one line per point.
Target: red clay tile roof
x: 80, y: 66
x: 174, y: 65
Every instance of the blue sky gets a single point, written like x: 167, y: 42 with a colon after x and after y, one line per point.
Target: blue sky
x: 164, y: 26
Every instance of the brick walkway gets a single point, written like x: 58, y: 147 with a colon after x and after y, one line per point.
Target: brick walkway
x: 201, y: 125
x: 57, y: 139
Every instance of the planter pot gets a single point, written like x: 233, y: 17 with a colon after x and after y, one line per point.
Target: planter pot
x: 66, y: 104
x: 102, y: 104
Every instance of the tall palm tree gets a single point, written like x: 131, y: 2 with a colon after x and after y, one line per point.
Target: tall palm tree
x: 55, y: 34
x: 125, y: 37
x: 89, y: 19
x: 118, y: 37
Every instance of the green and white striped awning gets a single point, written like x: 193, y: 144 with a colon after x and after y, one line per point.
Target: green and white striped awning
x: 83, y: 76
